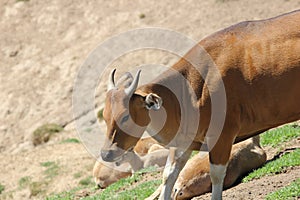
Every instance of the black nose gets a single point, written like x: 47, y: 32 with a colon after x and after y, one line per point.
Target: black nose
x: 106, y: 155
x: 99, y: 186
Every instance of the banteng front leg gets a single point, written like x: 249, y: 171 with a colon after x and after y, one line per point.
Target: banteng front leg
x: 218, y: 157
x: 176, y: 161
x: 217, y: 175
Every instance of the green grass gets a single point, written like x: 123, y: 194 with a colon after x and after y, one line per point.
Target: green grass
x: 67, y: 195
x: 70, y: 140
x: 279, y: 135
x: 100, y: 114
x: 106, y: 194
x: 24, y: 181
x: 276, y: 166
x: 2, y: 188
x: 116, y: 191
x: 289, y: 192
x: 77, y: 175
x: 52, y: 169
x: 142, y: 191
x: 111, y: 190
x: 37, y: 188
x: 43, y: 133
x: 151, y: 169
x: 86, y: 181
x: 47, y: 164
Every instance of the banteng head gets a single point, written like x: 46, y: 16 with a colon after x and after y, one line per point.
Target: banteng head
x: 126, y: 114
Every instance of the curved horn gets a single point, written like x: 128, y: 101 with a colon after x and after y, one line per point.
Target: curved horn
x: 130, y: 90
x: 111, y: 80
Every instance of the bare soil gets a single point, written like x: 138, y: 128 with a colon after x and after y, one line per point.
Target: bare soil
x: 44, y: 43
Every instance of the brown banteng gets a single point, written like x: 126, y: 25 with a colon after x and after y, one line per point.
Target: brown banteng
x: 194, y: 178
x: 258, y: 65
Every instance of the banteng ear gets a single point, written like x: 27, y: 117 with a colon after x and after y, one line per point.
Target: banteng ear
x: 153, y: 101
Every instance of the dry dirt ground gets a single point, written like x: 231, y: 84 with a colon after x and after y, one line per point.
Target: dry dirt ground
x: 44, y: 43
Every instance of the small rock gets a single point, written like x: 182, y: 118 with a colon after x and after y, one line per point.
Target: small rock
x: 13, y: 53
x: 142, y: 16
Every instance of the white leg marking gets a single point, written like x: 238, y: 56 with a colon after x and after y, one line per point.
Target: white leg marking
x: 217, y: 175
x: 176, y: 161
x: 168, y: 175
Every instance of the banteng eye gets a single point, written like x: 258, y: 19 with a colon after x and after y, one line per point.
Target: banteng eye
x: 124, y: 119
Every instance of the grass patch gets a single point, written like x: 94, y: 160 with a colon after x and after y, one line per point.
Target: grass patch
x: 36, y: 188
x: 142, y: 191
x: 112, y: 191
x: 115, y: 187
x: 67, y: 195
x: 289, y: 192
x: 86, y: 181
x: 43, y: 133
x: 108, y: 193
x: 77, y: 175
x: 276, y: 166
x: 151, y: 169
x: 2, y: 188
x: 279, y: 135
x: 70, y: 140
x: 119, y: 190
x: 47, y: 164
x: 24, y: 181
x: 100, y: 114
x: 52, y: 169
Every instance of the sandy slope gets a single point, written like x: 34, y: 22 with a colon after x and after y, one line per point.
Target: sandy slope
x: 43, y: 44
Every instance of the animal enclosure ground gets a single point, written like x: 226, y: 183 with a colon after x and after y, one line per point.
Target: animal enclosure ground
x: 44, y: 43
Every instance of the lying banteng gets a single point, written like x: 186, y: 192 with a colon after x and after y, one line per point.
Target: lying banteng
x: 194, y: 179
